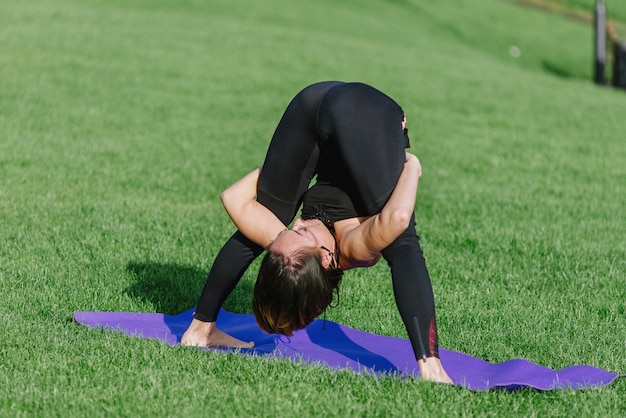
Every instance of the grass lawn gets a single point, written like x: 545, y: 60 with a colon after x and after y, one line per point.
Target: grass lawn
x: 121, y: 121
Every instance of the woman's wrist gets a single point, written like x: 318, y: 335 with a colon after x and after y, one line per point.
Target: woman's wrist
x: 413, y: 163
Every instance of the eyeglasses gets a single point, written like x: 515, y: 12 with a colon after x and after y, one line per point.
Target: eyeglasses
x: 333, y: 258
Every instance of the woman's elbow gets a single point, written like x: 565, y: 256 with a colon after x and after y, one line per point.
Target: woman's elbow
x: 400, y: 219
x: 226, y: 197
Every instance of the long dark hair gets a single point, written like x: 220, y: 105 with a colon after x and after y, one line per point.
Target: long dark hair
x: 291, y: 291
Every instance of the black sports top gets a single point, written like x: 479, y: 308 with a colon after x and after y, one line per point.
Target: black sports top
x: 332, y: 200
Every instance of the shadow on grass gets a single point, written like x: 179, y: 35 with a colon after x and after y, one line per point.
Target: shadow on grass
x: 174, y: 288
x: 555, y: 69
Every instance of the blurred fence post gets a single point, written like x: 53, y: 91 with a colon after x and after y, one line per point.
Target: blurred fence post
x: 600, y: 41
x: 619, y: 65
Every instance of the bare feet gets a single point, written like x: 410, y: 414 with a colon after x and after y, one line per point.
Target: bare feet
x: 206, y: 334
x: 432, y: 370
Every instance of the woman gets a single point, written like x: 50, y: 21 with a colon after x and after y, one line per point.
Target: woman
x: 352, y: 136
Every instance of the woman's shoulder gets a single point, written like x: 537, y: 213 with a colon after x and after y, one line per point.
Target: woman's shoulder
x: 343, y: 230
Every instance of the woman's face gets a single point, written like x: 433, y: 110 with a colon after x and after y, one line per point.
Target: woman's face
x: 310, y: 234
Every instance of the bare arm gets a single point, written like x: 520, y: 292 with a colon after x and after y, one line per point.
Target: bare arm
x: 253, y: 219
x: 366, y: 241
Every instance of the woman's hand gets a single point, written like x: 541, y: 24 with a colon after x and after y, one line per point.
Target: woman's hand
x: 412, y: 159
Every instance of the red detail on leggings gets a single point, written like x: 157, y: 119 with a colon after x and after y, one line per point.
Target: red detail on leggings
x: 433, y: 344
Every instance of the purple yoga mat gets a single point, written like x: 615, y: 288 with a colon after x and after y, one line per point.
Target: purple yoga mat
x: 338, y: 346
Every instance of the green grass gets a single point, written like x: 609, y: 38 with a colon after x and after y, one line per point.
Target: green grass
x: 121, y: 121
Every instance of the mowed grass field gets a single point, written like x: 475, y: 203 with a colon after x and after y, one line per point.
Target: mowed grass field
x: 121, y: 122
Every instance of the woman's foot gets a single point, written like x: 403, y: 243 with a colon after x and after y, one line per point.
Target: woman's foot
x: 206, y: 334
x: 432, y: 370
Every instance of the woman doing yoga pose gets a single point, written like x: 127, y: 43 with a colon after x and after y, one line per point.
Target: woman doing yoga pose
x: 353, y: 138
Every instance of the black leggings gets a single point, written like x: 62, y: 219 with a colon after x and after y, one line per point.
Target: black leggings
x: 366, y: 125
